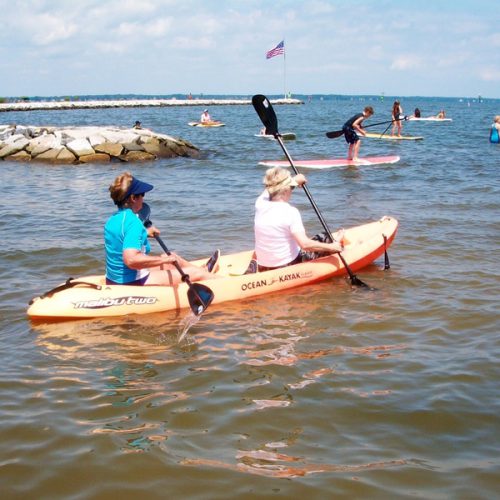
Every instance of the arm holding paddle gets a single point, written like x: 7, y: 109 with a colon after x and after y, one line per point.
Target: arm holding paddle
x: 358, y: 126
x: 308, y: 244
x: 138, y: 260
x: 339, y: 133
x: 127, y: 247
x: 268, y: 117
x: 352, y: 128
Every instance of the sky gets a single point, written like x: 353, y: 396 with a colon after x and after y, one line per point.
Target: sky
x: 448, y: 48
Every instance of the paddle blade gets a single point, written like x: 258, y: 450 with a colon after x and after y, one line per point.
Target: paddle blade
x: 335, y: 134
x: 266, y: 113
x: 200, y: 297
x: 355, y: 281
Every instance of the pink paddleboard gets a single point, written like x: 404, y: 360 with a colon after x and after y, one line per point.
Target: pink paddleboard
x: 333, y: 162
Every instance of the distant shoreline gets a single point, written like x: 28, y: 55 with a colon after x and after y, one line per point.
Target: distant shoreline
x: 129, y: 103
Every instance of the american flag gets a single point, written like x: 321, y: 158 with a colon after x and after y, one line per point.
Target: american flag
x: 278, y: 50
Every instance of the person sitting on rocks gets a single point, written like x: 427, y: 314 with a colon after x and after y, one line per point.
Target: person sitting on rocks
x: 137, y: 124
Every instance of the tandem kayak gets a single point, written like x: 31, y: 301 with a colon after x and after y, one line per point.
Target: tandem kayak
x: 90, y: 297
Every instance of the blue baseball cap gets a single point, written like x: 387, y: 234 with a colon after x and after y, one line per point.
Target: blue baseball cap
x: 138, y: 187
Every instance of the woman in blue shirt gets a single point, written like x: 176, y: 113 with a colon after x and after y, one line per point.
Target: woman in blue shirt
x: 127, y: 247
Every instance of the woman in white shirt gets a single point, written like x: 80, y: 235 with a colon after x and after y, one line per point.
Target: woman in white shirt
x: 279, y: 233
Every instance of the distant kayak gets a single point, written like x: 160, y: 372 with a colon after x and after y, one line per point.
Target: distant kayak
x: 394, y: 137
x: 207, y: 124
x: 333, y: 162
x: 287, y: 136
x: 429, y: 119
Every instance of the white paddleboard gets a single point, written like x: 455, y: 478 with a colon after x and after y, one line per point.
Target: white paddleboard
x: 287, y: 136
x: 389, y: 137
x: 429, y: 119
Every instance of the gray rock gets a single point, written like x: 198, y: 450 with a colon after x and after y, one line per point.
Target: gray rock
x: 80, y: 147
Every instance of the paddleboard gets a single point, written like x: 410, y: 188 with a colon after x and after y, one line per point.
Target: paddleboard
x: 287, y: 136
x: 332, y: 162
x: 206, y: 124
x: 393, y: 137
x: 429, y: 119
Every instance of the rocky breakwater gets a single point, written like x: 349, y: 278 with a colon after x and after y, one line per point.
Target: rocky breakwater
x: 88, y: 144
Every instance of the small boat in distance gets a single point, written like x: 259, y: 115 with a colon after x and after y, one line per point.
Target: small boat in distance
x: 207, y: 124
x: 286, y: 136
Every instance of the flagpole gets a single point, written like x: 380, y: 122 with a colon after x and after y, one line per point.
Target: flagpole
x: 284, y: 67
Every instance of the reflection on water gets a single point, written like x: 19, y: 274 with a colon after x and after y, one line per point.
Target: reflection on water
x: 265, y: 464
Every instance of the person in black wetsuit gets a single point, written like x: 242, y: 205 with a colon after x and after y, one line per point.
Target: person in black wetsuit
x: 352, y: 128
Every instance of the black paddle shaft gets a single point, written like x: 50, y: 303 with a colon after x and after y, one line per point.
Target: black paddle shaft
x: 354, y: 279
x: 199, y: 296
x: 270, y: 121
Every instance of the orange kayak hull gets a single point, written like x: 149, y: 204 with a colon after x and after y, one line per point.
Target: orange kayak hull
x: 92, y: 298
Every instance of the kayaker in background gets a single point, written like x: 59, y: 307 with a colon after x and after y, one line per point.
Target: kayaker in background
x: 441, y: 114
x: 416, y: 113
x: 396, y: 116
x: 495, y: 131
x: 205, y: 117
x: 280, y: 237
x: 352, y: 128
x: 127, y: 246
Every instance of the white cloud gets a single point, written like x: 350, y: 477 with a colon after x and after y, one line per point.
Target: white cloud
x: 46, y: 29
x: 127, y: 29
x: 187, y: 43
x: 491, y: 74
x: 160, y: 27
x: 112, y: 47
x: 406, y: 62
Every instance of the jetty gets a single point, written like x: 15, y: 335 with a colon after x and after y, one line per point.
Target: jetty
x: 130, y: 103
x: 74, y: 145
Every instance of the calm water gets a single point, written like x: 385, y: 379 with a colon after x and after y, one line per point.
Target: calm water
x: 324, y: 392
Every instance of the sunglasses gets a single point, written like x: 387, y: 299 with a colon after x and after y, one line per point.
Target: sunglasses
x: 140, y: 194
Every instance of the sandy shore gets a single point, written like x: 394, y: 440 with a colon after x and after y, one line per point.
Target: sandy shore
x: 130, y: 103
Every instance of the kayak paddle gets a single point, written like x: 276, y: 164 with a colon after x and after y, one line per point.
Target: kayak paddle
x: 270, y: 121
x: 338, y: 133
x: 199, y: 296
